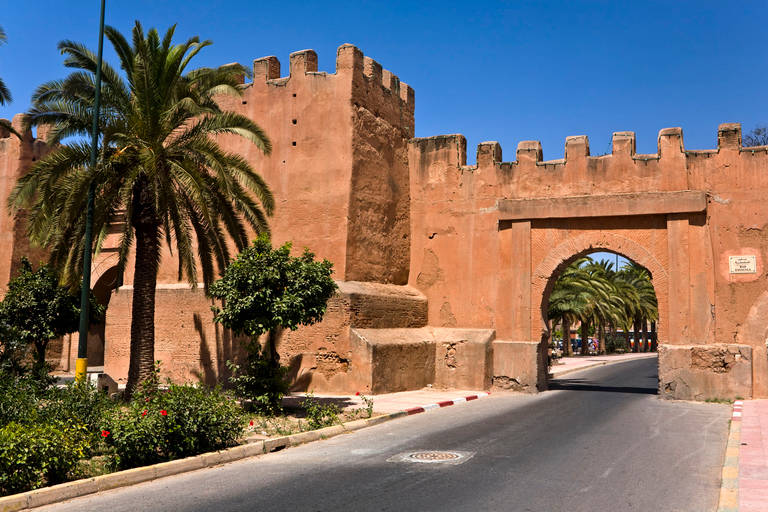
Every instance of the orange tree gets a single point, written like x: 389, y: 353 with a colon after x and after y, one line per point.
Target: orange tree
x: 264, y: 290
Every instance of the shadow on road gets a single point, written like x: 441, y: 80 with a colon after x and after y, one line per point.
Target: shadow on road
x: 581, y: 385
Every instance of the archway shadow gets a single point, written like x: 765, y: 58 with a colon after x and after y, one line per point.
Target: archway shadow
x: 584, y: 385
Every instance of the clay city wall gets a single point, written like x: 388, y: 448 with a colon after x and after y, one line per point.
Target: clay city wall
x: 489, y: 240
x: 444, y: 269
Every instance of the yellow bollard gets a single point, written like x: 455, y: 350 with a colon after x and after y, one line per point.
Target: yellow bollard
x: 81, y: 369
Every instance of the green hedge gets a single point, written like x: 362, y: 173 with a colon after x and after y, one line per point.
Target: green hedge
x: 32, y: 456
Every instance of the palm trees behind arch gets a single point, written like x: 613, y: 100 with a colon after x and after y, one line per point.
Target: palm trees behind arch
x: 597, y: 295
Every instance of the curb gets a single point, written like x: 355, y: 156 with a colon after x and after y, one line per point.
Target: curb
x: 446, y: 403
x: 598, y: 363
x: 252, y: 448
x: 729, y: 481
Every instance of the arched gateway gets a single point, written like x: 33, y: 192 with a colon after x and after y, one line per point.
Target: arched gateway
x: 444, y: 268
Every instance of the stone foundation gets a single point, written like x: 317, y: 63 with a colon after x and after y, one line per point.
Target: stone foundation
x: 705, y: 371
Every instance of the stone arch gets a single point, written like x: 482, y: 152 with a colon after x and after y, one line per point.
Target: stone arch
x: 546, y: 272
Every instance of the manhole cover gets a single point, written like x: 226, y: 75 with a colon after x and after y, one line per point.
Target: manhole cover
x: 435, y: 456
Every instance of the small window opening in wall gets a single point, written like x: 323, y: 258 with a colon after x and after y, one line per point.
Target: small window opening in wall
x: 294, y: 121
x: 245, y: 102
x: 294, y: 95
x: 283, y: 161
x: 293, y: 143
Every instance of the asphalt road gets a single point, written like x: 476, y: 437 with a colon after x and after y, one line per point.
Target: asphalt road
x: 602, y: 441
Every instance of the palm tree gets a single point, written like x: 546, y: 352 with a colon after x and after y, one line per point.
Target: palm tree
x: 570, y: 300
x: 5, y: 93
x: 644, y: 306
x: 162, y: 176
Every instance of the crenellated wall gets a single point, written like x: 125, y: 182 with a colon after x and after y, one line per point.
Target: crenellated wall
x: 16, y: 157
x: 490, y: 239
x: 445, y: 269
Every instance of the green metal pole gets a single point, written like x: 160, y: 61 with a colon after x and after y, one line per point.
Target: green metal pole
x: 81, y: 366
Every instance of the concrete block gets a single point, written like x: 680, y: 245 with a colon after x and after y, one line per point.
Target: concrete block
x: 48, y: 495
x: 698, y: 372
x: 271, y: 445
x: 331, y: 431
x: 304, y: 437
x: 515, y: 365
x: 253, y: 449
x: 13, y: 503
x: 233, y: 454
x: 376, y: 420
x: 463, y: 358
x: 355, y: 425
x: 125, y: 478
x: 175, y: 467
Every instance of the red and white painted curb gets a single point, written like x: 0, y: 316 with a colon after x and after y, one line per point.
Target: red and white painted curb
x: 446, y: 403
x: 737, y: 410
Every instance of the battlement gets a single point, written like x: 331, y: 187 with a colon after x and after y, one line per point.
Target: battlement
x: 624, y: 146
x: 623, y: 170
x: 350, y: 61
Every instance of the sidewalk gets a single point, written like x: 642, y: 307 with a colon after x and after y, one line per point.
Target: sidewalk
x: 390, y: 402
x: 405, y: 400
x: 571, y: 364
x: 752, y: 455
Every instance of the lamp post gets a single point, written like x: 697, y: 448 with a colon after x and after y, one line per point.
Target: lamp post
x: 81, y: 366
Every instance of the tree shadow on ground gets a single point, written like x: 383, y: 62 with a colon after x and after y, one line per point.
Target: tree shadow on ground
x: 582, y: 385
x: 292, y: 404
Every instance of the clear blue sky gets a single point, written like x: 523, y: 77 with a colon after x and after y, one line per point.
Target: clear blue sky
x: 502, y: 71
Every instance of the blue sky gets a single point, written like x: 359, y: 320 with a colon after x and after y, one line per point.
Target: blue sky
x: 503, y: 71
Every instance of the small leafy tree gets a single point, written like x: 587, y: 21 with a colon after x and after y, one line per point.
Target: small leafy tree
x: 37, y: 309
x: 265, y: 289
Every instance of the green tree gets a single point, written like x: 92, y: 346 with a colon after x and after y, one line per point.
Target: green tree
x: 37, y: 309
x: 267, y: 289
x: 162, y: 176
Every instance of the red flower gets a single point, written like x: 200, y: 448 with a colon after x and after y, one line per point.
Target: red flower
x: 144, y: 413
x: 146, y: 399
x: 251, y: 423
x: 164, y: 412
x: 104, y: 433
x: 357, y: 394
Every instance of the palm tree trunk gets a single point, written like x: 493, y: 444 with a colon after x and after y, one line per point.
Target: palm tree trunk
x: 142, y: 357
x: 645, y: 335
x: 626, y: 339
x: 585, y: 338
x: 567, y: 348
x: 601, y: 338
x: 654, y: 340
x: 636, y: 328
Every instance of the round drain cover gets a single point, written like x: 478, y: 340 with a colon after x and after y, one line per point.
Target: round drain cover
x: 434, y: 456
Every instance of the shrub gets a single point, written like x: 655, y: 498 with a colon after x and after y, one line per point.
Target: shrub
x: 35, y: 455
x: 183, y: 421
x: 615, y: 343
x: 78, y: 405
x: 259, y: 380
x: 318, y: 415
x: 18, y: 399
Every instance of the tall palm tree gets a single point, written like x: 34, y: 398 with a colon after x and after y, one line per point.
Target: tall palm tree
x: 162, y: 176
x: 645, y: 305
x: 5, y: 93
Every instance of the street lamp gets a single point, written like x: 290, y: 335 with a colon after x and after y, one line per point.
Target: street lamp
x: 81, y: 365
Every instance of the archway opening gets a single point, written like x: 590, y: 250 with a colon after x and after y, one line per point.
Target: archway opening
x: 599, y: 303
x: 102, y: 290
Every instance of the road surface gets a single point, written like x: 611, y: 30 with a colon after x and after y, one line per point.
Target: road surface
x: 599, y: 441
